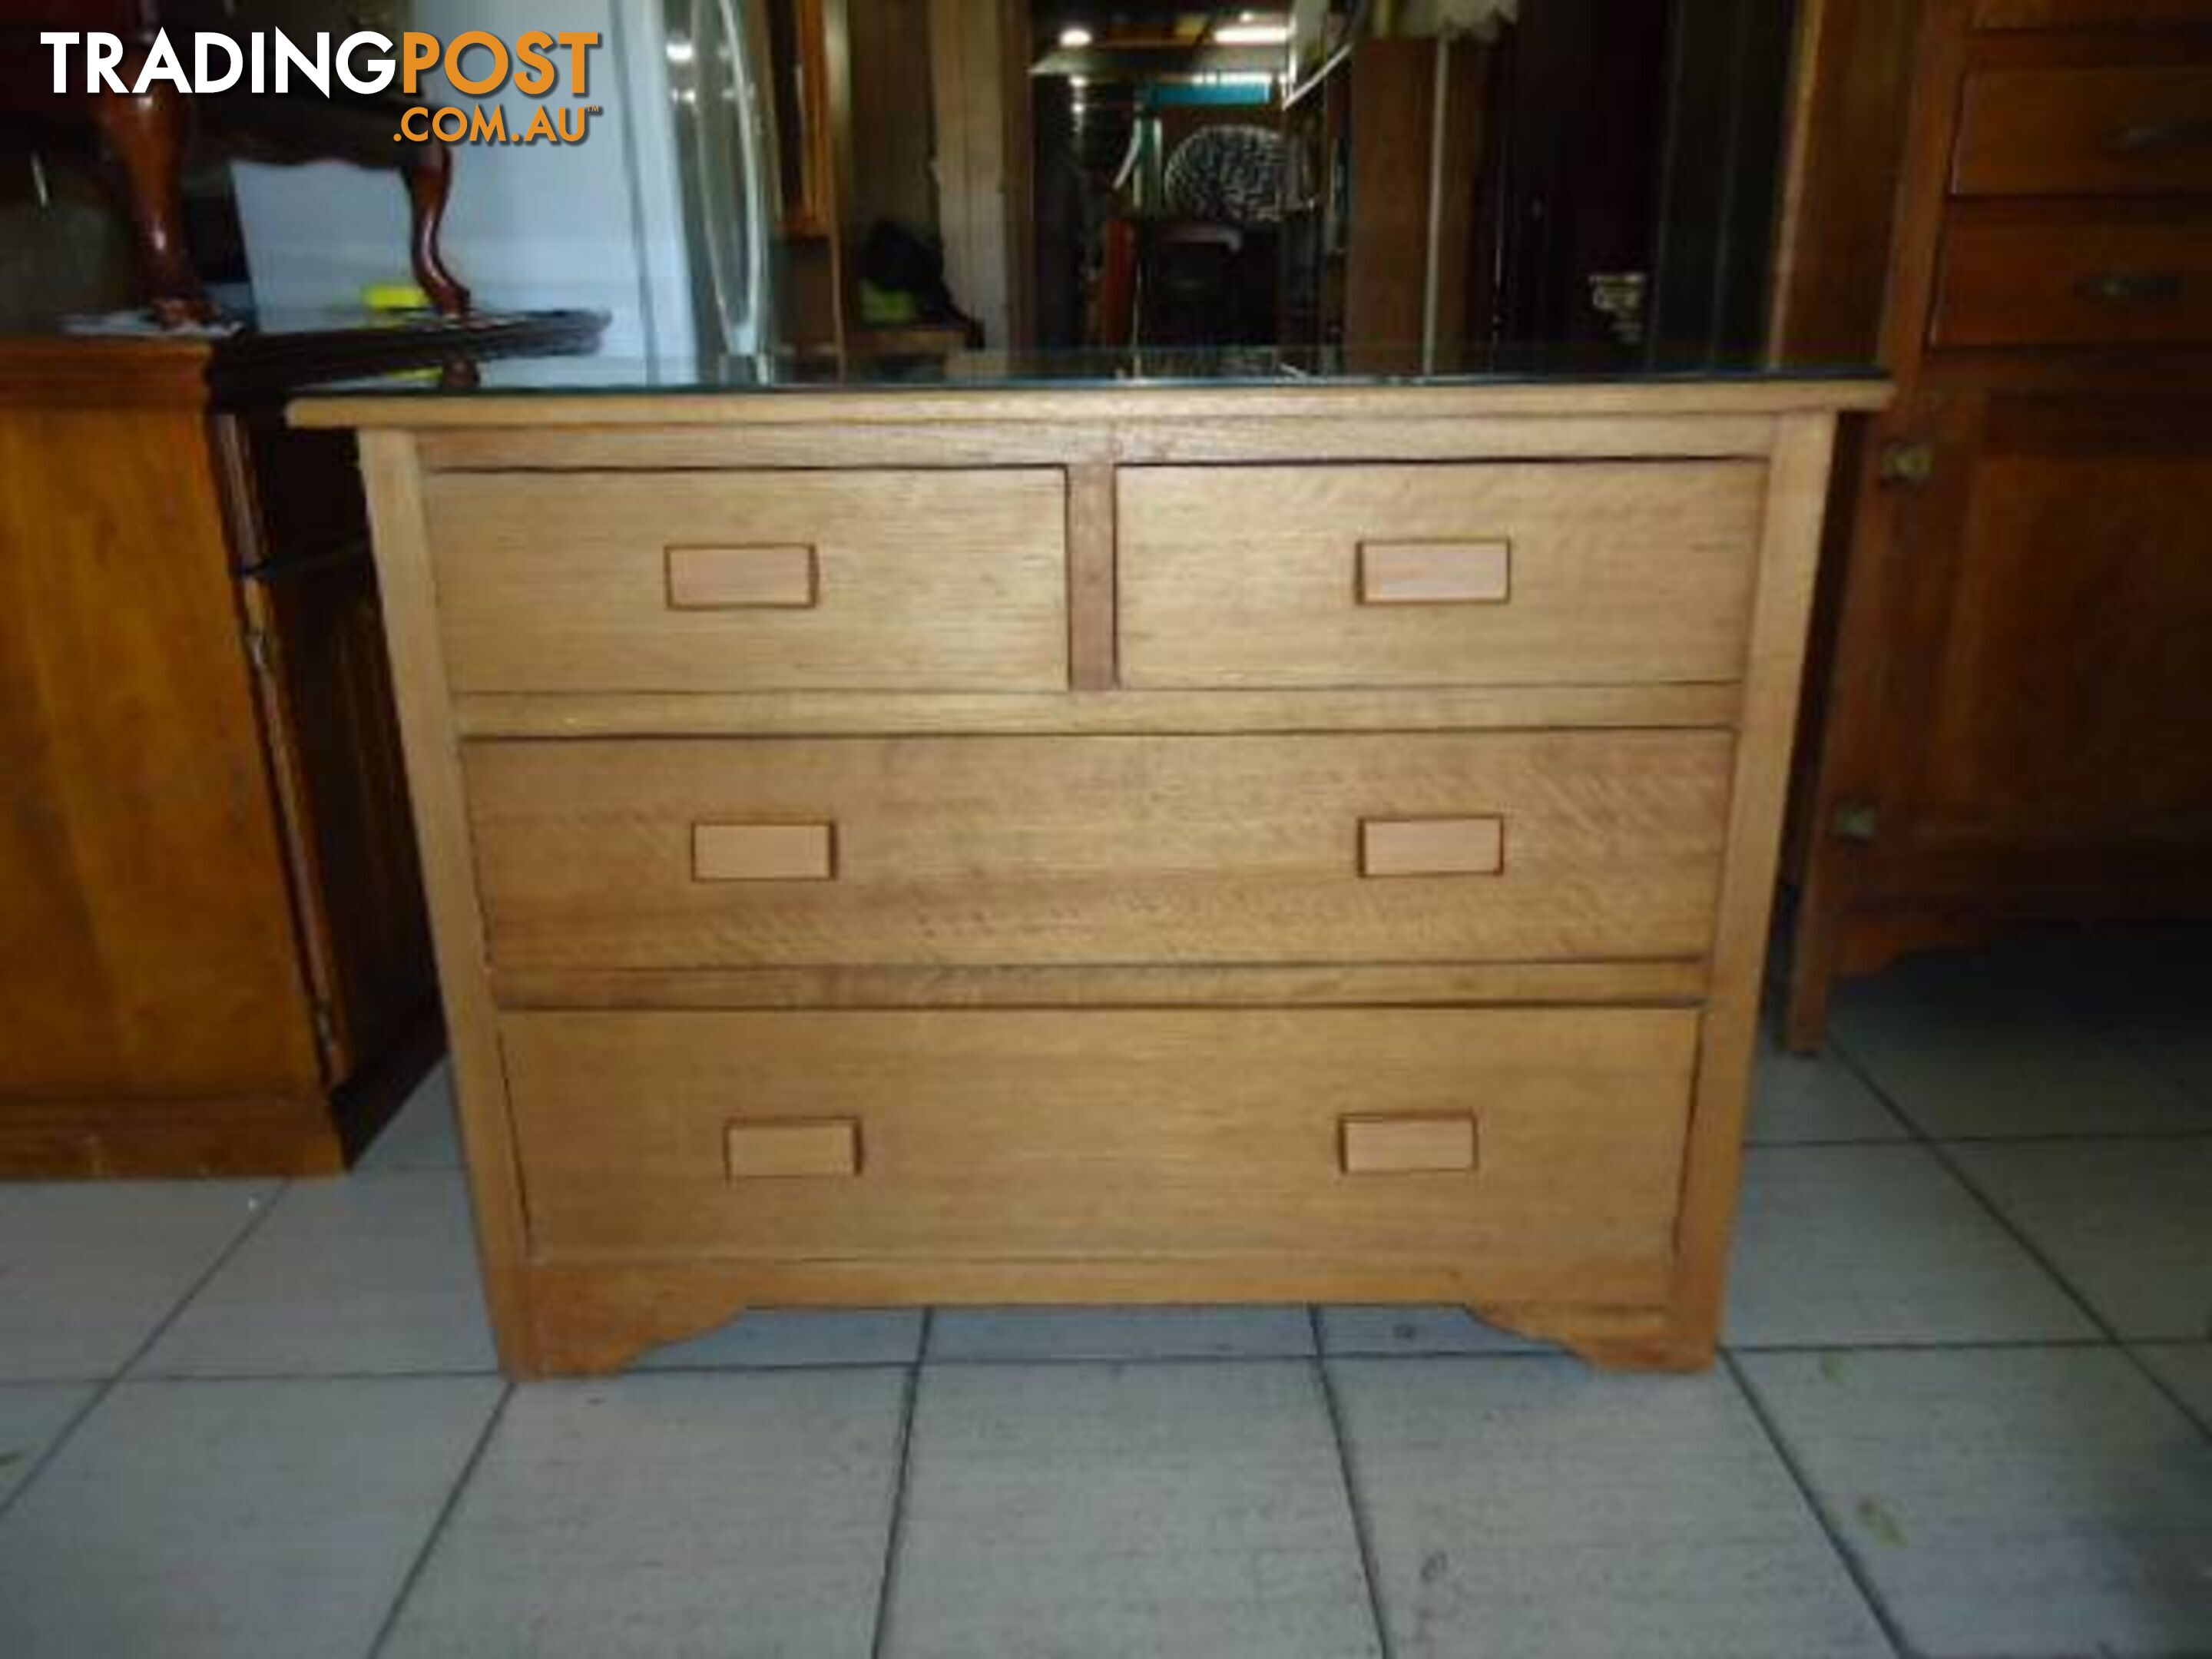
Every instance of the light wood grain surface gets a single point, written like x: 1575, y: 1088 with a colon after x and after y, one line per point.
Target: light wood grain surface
x: 801, y: 714
x: 1100, y: 1134
x: 1088, y: 896
x: 943, y: 581
x: 1004, y: 851
x: 1251, y: 576
x: 404, y: 568
x: 910, y: 407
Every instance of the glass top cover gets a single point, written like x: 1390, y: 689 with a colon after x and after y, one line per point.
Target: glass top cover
x: 1194, y: 367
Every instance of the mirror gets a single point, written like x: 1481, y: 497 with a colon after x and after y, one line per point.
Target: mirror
x: 1425, y: 184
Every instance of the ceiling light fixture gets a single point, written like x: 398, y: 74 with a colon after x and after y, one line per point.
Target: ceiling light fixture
x: 1252, y: 34
x: 1075, y: 37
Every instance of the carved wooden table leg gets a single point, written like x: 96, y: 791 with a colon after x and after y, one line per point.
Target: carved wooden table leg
x: 428, y: 170
x: 146, y: 133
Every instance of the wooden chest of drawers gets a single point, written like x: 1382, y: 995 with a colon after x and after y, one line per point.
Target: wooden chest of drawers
x: 1155, y: 844
x: 2008, y: 203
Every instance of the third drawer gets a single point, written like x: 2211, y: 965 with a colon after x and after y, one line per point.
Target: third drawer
x: 1346, y: 848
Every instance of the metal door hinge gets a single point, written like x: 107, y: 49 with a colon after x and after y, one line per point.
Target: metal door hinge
x: 1908, y: 465
x: 1855, y: 820
x: 260, y: 651
x: 326, y: 1026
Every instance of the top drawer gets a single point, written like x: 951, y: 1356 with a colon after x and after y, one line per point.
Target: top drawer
x: 752, y: 582
x: 2088, y: 13
x: 2133, y: 130
x: 1543, y: 573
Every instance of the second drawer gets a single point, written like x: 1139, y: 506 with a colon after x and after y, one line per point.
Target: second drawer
x: 1009, y: 851
x: 2085, y: 282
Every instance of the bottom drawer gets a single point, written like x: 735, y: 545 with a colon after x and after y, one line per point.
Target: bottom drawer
x: 1541, y: 1148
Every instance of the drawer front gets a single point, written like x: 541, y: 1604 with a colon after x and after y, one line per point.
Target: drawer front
x: 2131, y: 130
x: 752, y: 581
x: 2088, y: 13
x: 1524, y: 1142
x: 998, y: 851
x: 1559, y: 574
x: 2081, y: 284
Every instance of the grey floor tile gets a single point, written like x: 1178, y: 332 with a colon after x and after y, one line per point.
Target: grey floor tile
x: 2128, y: 1223
x: 775, y: 1337
x: 2178, y: 1043
x: 731, y: 1513
x: 1534, y: 1507
x: 1814, y: 1098
x: 1842, y: 1244
x: 422, y: 1135
x: 2153, y: 999
x: 88, y: 1269
x: 344, y: 1276
x: 2022, y: 1501
x: 2186, y: 1368
x: 233, y: 1519
x: 1390, y: 1330
x: 1980, y: 1046
x: 31, y: 1415
x: 1109, y: 1511
x: 1119, y: 1333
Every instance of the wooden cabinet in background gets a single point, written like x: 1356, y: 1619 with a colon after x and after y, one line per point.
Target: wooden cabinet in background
x: 214, y: 957
x: 1378, y: 221
x: 807, y: 207
x: 810, y: 58
x: 2018, y: 719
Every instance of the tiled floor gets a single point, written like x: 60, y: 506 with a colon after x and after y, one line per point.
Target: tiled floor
x: 1967, y: 1410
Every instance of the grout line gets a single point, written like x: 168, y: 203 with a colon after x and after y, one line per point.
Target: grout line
x: 758, y: 1368
x: 432, y: 1372
x: 2202, y: 1420
x: 2021, y: 1236
x: 1367, y: 1575
x: 1547, y: 1351
x: 115, y: 1379
x: 403, y: 1172
x: 421, y: 1561
x: 1971, y: 1345
x: 895, y: 1534
x: 1844, y: 1553
x: 1936, y: 1148
x: 1282, y: 1357
x: 2052, y: 1137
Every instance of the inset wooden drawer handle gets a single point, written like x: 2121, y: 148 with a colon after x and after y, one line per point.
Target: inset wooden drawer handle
x: 778, y: 576
x: 2157, y: 137
x: 2132, y: 287
x: 1432, y: 847
x: 1436, y: 572
x: 768, y: 1150
x: 764, y: 852
x: 1406, y: 1146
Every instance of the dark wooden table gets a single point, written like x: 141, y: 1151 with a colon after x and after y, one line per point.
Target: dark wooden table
x: 148, y: 135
